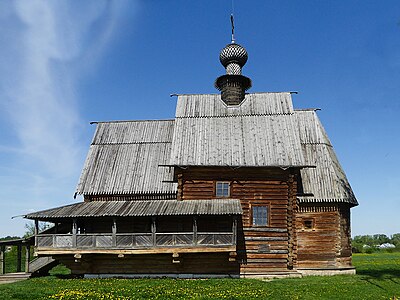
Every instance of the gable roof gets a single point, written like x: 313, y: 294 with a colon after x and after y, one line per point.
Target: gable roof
x: 327, y: 182
x: 129, y: 157
x: 262, y: 131
x: 124, y: 158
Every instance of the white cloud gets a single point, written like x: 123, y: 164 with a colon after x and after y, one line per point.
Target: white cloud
x: 43, y: 42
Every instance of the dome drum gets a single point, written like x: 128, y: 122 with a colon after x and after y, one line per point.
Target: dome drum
x: 233, y: 88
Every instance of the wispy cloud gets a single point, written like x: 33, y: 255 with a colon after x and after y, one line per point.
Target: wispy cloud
x: 43, y: 42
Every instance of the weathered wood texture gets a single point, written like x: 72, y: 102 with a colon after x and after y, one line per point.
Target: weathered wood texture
x: 260, y: 249
x: 344, y: 258
x: 204, y: 263
x: 327, y: 243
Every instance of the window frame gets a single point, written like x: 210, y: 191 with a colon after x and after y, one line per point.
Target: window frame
x: 216, y: 189
x: 312, y: 220
x: 268, y: 217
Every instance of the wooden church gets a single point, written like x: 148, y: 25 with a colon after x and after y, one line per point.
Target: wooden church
x: 236, y: 185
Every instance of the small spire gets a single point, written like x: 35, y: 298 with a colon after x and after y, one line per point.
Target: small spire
x: 233, y: 29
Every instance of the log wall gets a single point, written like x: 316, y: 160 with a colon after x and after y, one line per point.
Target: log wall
x: 344, y: 258
x: 327, y: 243
x: 260, y: 249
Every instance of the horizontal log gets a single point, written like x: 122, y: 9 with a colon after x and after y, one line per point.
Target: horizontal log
x: 259, y: 238
x: 264, y: 229
x: 52, y: 251
x: 269, y: 251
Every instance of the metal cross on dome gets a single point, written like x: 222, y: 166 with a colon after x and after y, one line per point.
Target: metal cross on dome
x: 233, y: 29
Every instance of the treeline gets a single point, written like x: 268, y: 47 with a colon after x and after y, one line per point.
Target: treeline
x: 8, y: 237
x: 375, y: 243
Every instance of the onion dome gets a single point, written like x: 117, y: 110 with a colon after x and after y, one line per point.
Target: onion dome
x: 233, y: 85
x: 233, y: 53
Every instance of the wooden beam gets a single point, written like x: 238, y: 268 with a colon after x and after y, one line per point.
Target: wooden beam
x: 27, y: 257
x: 195, y: 230
x: 74, y: 231
x: 234, y: 230
x: 52, y: 251
x: 19, y: 257
x: 114, y: 233
x: 2, y: 260
x: 36, y: 232
x: 153, y: 230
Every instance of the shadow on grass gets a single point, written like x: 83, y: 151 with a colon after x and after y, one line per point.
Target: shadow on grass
x: 380, y: 274
x: 67, y: 276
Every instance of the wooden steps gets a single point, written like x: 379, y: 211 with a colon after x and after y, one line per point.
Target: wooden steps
x: 13, y: 277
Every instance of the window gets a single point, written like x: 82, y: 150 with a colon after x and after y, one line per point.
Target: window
x: 222, y: 189
x: 308, y: 224
x: 260, y: 215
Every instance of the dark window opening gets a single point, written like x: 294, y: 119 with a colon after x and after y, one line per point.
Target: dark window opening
x: 308, y: 224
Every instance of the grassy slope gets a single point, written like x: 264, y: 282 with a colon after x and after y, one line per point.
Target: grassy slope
x: 378, y: 278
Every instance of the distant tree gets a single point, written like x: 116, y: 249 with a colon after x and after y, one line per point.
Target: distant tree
x: 30, y: 228
x: 395, y: 239
x: 380, y: 239
x: 364, y: 240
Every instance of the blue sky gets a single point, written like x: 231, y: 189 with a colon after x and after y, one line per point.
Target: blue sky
x: 66, y: 63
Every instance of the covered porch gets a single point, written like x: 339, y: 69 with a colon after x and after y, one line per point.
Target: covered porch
x: 139, y: 227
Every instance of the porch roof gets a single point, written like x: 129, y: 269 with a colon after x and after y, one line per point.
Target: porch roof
x: 140, y: 208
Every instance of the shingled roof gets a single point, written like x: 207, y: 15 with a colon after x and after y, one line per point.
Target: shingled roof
x: 124, y: 158
x: 261, y: 132
x: 140, y: 208
x: 130, y: 157
x: 326, y: 182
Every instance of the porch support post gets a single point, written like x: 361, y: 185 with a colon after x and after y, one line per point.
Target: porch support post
x: 2, y: 260
x: 74, y: 232
x: 114, y: 233
x: 153, y: 230
x: 36, y: 232
x: 56, y: 227
x: 19, y: 257
x: 234, y: 230
x: 27, y: 257
x: 195, y: 230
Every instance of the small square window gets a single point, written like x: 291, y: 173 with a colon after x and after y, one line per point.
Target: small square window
x: 260, y: 215
x: 308, y: 224
x: 222, y: 189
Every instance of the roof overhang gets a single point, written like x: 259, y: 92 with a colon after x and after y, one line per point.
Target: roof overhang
x: 142, y: 208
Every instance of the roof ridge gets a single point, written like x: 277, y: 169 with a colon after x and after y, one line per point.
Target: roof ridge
x: 129, y: 121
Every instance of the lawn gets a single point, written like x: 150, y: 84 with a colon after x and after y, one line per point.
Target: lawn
x: 378, y: 278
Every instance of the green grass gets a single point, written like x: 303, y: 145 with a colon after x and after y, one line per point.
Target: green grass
x: 378, y: 278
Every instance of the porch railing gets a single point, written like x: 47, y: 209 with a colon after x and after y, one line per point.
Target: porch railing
x: 136, y: 240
